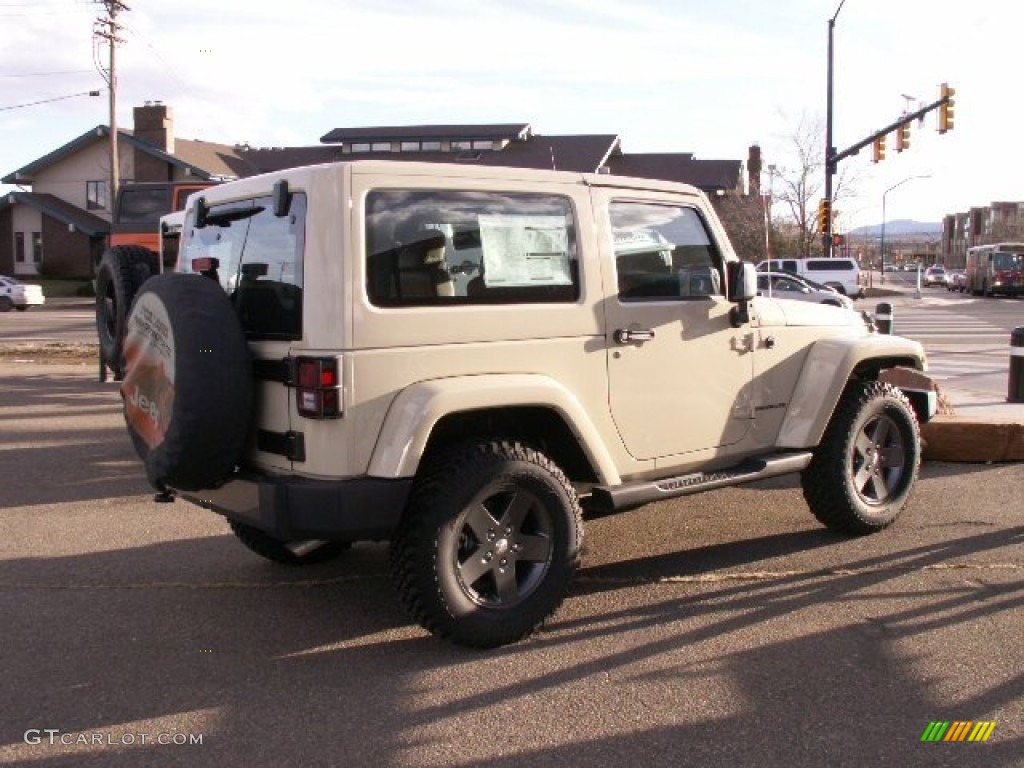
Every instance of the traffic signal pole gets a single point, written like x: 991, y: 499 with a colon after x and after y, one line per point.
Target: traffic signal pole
x: 830, y: 160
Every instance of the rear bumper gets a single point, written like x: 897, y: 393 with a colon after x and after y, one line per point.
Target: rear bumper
x: 294, y: 509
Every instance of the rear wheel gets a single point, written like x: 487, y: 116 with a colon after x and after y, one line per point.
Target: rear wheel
x: 121, y: 272
x: 287, y: 552
x: 862, y: 472
x: 6, y: 304
x: 488, y: 544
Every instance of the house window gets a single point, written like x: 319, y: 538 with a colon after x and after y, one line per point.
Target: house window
x: 483, y: 145
x: 431, y: 146
x: 19, y: 247
x: 410, y: 146
x: 37, y: 247
x: 457, y: 145
x: 380, y: 146
x: 361, y: 146
x: 96, y: 195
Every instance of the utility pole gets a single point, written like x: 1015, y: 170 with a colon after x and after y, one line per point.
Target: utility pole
x: 106, y: 27
x: 830, y: 162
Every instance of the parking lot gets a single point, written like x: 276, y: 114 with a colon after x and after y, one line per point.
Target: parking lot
x: 723, y: 629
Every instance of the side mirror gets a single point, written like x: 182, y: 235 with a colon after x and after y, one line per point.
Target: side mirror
x: 741, y: 279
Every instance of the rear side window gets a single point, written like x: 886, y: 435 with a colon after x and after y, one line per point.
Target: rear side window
x: 440, y: 247
x: 829, y: 265
x: 258, y: 262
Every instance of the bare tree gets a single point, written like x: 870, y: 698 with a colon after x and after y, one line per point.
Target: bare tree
x: 744, y: 219
x: 799, y: 181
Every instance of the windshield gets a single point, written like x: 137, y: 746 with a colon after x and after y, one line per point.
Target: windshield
x: 1005, y: 262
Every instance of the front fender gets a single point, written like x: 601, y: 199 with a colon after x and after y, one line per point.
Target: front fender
x: 417, y: 409
x: 828, y: 368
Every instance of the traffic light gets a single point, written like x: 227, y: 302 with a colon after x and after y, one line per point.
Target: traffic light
x: 824, y: 215
x: 878, y: 152
x: 946, y: 108
x: 903, y: 137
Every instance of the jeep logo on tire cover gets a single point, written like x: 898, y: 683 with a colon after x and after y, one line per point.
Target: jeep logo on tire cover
x: 148, y: 388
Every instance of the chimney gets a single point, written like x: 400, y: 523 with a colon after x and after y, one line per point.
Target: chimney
x: 754, y: 169
x: 154, y: 124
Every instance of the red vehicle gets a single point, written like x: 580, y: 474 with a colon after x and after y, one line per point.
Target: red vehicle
x: 131, y: 257
x: 995, y: 269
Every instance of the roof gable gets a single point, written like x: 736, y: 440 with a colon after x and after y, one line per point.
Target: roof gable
x: 58, y: 209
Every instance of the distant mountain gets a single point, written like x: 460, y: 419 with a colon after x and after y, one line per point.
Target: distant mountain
x: 900, y: 228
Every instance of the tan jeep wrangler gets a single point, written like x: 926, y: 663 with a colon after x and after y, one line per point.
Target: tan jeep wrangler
x: 462, y: 359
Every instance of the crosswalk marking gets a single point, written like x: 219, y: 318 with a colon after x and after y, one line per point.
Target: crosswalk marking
x: 922, y: 323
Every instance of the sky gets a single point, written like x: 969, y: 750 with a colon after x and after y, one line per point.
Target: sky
x: 710, y: 77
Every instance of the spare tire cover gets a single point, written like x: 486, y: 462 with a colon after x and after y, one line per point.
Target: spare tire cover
x: 188, y: 388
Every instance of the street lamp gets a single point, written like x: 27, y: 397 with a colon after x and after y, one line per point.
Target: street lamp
x: 881, y: 245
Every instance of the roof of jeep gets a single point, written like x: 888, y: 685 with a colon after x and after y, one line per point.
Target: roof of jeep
x: 397, y: 168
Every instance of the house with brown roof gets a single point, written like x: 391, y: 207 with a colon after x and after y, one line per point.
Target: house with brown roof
x: 62, y: 217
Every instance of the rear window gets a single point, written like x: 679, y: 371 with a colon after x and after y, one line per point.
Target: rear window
x: 446, y: 247
x: 143, y: 204
x: 258, y: 262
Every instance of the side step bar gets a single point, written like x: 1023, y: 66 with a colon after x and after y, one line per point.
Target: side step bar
x: 636, y: 494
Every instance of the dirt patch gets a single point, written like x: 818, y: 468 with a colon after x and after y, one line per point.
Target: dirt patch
x: 51, y: 352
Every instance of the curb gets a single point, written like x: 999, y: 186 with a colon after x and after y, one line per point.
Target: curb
x: 948, y: 438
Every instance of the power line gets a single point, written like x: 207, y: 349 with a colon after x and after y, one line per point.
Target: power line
x: 47, y: 101
x: 43, y: 74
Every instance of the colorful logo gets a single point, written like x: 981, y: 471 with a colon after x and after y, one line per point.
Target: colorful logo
x: 958, y: 730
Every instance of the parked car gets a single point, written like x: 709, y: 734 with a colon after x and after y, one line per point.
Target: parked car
x: 15, y: 294
x: 935, y: 276
x: 782, y: 285
x: 957, y: 280
x: 840, y: 273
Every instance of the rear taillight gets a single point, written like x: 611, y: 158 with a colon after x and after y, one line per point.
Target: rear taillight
x: 318, y: 387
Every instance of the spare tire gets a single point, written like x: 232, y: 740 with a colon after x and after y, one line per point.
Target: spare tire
x: 188, y: 387
x: 121, y: 272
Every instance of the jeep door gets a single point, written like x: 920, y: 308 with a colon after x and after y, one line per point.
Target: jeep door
x: 679, y: 374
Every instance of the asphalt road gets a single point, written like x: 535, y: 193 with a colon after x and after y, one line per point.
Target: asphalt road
x: 726, y: 629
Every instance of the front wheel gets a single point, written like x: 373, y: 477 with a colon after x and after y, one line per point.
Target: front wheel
x: 862, y: 472
x: 488, y: 544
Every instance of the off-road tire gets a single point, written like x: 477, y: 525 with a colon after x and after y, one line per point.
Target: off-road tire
x: 865, y: 466
x: 122, y: 271
x: 6, y: 304
x: 287, y: 552
x: 188, y: 385
x: 488, y: 544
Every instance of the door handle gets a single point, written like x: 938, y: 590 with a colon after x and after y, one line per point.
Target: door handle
x: 626, y: 336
